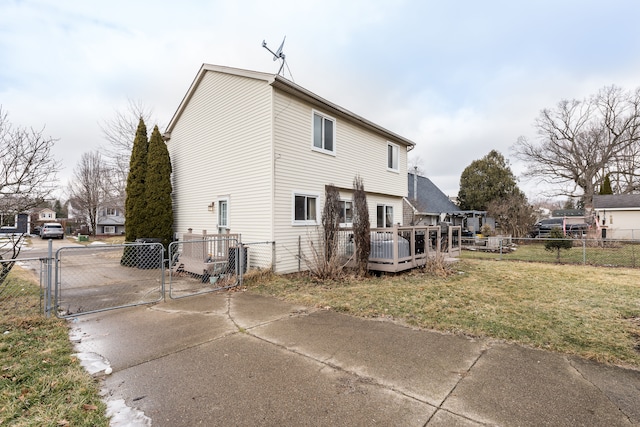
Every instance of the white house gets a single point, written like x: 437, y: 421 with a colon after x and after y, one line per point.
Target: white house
x: 46, y: 215
x: 618, y: 215
x: 252, y: 153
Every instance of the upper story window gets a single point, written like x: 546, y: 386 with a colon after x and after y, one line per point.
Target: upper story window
x: 393, y: 152
x: 305, y: 209
x: 324, y: 133
x: 111, y: 212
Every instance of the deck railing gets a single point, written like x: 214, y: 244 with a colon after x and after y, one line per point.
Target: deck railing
x: 401, y: 248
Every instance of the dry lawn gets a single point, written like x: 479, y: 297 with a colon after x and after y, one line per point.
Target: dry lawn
x: 588, y: 311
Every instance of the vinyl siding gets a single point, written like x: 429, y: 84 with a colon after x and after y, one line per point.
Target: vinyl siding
x: 298, y: 168
x: 221, y: 147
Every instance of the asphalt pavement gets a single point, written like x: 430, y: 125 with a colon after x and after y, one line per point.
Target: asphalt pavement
x: 240, y: 359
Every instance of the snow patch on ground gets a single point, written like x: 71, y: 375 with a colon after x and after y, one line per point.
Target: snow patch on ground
x: 119, y: 413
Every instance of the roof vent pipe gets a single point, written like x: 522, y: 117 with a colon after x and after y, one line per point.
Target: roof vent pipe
x: 415, y: 183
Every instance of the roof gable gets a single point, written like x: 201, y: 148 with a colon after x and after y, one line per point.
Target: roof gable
x: 278, y: 82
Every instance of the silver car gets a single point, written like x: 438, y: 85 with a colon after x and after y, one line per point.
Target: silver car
x: 52, y: 230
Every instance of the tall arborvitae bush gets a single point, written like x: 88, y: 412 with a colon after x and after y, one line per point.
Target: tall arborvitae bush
x: 135, y: 203
x: 159, y: 212
x: 331, y: 222
x: 134, y: 208
x: 361, y: 227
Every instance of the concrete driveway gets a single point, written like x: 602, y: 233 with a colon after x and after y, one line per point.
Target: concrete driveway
x: 236, y: 358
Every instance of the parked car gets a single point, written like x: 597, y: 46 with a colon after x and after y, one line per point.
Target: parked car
x: 36, y: 230
x: 52, y: 230
x: 543, y: 228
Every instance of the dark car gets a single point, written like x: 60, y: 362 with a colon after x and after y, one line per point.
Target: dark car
x: 543, y: 228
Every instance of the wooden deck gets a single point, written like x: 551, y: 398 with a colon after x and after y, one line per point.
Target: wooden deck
x: 402, y: 248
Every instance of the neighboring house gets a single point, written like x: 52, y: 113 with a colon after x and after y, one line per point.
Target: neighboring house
x: 46, y: 215
x: 110, y: 221
x: 618, y: 215
x: 15, y: 223
x: 252, y: 153
x: 426, y: 204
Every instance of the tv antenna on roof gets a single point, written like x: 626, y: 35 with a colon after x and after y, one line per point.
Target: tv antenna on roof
x: 278, y: 54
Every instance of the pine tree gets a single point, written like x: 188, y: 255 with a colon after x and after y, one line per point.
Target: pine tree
x: 135, y: 202
x: 159, y: 212
x: 486, y: 180
x: 606, y: 186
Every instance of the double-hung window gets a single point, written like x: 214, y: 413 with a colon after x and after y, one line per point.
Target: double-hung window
x: 392, y: 157
x: 305, y: 209
x: 346, y: 213
x: 324, y: 133
x: 384, y: 216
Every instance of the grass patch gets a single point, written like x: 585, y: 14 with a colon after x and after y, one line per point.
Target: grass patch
x: 594, y: 252
x: 41, y: 383
x: 588, y: 311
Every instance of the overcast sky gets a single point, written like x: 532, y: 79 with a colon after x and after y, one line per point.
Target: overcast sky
x: 459, y: 78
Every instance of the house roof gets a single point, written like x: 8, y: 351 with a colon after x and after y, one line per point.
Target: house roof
x: 429, y: 198
x: 288, y: 86
x: 616, y: 201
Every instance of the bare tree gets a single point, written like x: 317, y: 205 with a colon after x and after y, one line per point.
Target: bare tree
x: 580, y: 142
x: 90, y: 189
x: 514, y: 214
x: 27, y: 176
x: 27, y: 166
x: 120, y: 132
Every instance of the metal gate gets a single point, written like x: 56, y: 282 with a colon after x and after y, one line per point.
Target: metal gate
x: 205, y: 265
x: 95, y: 278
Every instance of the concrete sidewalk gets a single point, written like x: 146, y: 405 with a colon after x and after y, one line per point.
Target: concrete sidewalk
x: 236, y: 358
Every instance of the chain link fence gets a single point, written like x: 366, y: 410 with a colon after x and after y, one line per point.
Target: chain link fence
x: 103, y: 277
x: 597, y: 252
x: 21, y: 280
x: 205, y: 265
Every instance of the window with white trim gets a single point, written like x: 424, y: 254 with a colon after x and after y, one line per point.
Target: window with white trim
x: 324, y: 133
x: 109, y: 229
x: 384, y: 216
x: 305, y: 209
x: 223, y: 213
x: 393, y: 152
x: 111, y: 212
x: 346, y: 213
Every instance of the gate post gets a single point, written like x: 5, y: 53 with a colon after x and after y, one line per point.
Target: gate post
x: 48, y: 282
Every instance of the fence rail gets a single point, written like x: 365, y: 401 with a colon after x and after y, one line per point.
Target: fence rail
x: 597, y: 252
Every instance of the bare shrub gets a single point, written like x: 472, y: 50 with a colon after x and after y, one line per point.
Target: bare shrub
x: 325, y: 261
x: 438, y: 266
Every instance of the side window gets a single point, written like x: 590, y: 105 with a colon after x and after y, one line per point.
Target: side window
x: 392, y: 157
x: 384, y: 216
x: 223, y: 213
x: 305, y: 209
x: 324, y: 133
x: 346, y: 213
